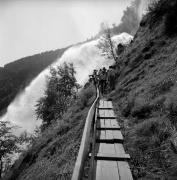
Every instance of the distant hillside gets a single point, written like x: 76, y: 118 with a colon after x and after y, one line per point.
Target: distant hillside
x: 146, y: 94
x: 18, y: 74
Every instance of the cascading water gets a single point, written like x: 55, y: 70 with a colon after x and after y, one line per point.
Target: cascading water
x: 85, y: 57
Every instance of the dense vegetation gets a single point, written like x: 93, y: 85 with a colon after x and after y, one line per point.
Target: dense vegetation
x: 16, y: 75
x: 145, y: 95
x: 63, y: 110
x: 61, y: 91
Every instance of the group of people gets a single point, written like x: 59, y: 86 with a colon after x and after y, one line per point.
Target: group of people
x: 104, y: 79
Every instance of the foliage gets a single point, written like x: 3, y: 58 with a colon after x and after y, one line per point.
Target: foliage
x: 85, y: 95
x: 8, y: 143
x: 54, y: 152
x: 61, y: 90
x: 16, y: 75
x: 106, y: 44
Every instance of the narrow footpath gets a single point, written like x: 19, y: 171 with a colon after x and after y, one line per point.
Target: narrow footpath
x: 109, y: 154
x: 102, y: 142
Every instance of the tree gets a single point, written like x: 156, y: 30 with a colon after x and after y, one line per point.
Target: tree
x: 106, y: 44
x: 8, y: 145
x: 61, y: 90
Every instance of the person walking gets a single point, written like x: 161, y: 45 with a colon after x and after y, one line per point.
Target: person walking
x: 94, y: 78
x: 102, y: 80
x: 111, y: 78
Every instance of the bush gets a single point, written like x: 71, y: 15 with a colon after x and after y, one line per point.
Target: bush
x: 128, y: 105
x: 141, y: 108
x: 162, y: 86
x: 85, y: 96
x: 148, y: 146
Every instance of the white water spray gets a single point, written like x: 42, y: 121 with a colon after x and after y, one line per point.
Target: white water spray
x: 85, y: 57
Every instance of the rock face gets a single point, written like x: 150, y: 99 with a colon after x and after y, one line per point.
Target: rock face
x: 146, y: 93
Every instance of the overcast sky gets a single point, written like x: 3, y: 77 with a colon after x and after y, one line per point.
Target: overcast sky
x: 28, y: 27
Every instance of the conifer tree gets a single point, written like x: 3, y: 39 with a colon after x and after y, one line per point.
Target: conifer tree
x: 61, y: 90
x: 8, y: 145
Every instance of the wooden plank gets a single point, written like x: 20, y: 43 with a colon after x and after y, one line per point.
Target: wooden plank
x: 117, y: 134
x: 106, y: 148
x: 101, y: 103
x: 98, y: 171
x: 105, y: 108
x: 103, y: 134
x: 110, y: 104
x: 124, y: 171
x: 119, y: 149
x: 102, y: 123
x: 101, y: 113
x: 104, y: 138
x: 112, y: 157
x: 114, y: 123
x: 106, y: 114
x: 107, y: 170
x: 104, y: 117
x: 111, y: 113
x: 109, y: 134
x: 108, y: 124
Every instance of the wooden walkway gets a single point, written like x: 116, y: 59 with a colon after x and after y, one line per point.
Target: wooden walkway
x: 108, y: 160
x: 111, y: 159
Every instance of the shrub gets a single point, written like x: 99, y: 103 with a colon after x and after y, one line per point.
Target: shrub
x: 141, y: 108
x: 162, y: 86
x: 148, y: 147
x: 85, y: 96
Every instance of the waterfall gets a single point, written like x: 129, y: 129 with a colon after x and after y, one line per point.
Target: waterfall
x: 85, y: 57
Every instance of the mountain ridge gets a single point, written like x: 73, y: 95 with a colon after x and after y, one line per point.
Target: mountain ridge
x: 16, y: 75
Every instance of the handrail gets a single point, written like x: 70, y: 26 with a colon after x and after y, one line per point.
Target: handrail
x: 84, y: 147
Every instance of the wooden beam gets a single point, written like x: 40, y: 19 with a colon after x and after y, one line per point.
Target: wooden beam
x: 104, y: 108
x: 105, y: 117
x: 108, y: 128
x: 112, y: 157
x: 110, y: 141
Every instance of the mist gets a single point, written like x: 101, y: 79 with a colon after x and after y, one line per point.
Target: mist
x: 132, y: 16
x: 31, y: 27
x: 85, y: 57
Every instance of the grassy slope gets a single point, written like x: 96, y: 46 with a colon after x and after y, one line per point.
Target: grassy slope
x: 146, y: 99
x: 53, y: 154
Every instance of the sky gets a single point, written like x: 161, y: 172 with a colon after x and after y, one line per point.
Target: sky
x: 29, y: 27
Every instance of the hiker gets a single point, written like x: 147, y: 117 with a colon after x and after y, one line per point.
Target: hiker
x: 120, y: 48
x: 111, y: 77
x: 94, y: 78
x: 102, y: 80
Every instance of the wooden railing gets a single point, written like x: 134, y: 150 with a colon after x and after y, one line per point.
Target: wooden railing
x: 85, y: 142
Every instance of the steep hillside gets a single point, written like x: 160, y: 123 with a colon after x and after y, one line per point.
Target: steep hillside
x: 53, y: 153
x: 16, y: 75
x: 146, y: 94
